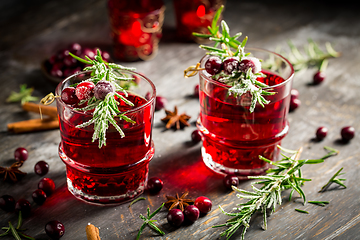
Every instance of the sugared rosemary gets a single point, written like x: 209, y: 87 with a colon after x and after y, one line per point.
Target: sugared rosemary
x: 105, y: 110
x: 286, y: 175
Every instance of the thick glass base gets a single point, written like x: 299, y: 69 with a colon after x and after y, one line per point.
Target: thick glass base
x: 107, y: 186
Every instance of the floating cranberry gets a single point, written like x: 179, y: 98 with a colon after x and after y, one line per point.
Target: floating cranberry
x: 47, y: 185
x: 231, y: 180
x: 41, y: 168
x: 196, y: 136
x: 21, y: 154
x: 319, y: 77
x: 230, y: 64
x: 213, y: 65
x: 294, y: 93
x: 55, y: 229
x: 347, y: 133
x: 160, y: 103
x: 204, y: 204
x: 102, y: 88
x: 196, y: 91
x: 68, y: 96
x: 321, y: 133
x: 175, y: 217
x: 84, y: 90
x: 250, y: 62
x: 7, y: 203
x: 154, y: 185
x: 24, y: 206
x: 294, y: 104
x: 191, y: 213
x: 39, y: 196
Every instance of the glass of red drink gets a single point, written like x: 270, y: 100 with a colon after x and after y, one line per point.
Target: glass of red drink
x: 234, y: 137
x: 136, y: 28
x: 195, y: 16
x: 117, y: 171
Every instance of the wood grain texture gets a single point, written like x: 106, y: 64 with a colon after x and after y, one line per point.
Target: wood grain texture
x: 32, y: 31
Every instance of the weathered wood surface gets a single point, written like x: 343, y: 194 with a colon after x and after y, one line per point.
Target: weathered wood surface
x: 32, y: 30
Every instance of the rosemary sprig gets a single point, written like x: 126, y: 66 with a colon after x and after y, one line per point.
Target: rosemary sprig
x: 334, y: 179
x: 148, y: 221
x: 16, y: 232
x: 240, y: 82
x: 136, y: 200
x: 320, y: 203
x: 105, y: 110
x: 23, y: 96
x: 302, y: 211
x: 286, y: 175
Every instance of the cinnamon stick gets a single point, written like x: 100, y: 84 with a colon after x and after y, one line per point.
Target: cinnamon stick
x: 92, y: 232
x: 33, y: 125
x: 45, y: 110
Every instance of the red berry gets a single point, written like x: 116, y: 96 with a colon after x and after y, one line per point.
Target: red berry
x: 347, y: 133
x: 68, y: 96
x: 47, y: 185
x: 155, y: 184
x: 250, y: 62
x: 321, y: 133
x: 196, y: 136
x: 230, y: 64
x: 192, y: 213
x: 294, y: 104
x: 160, y: 103
x: 102, y: 88
x: 21, y: 154
x: 175, y: 217
x: 319, y: 77
x: 203, y: 204
x: 294, y: 93
x: 7, y: 203
x: 39, y: 196
x: 105, y: 56
x: 41, y: 168
x: 88, y: 52
x: 75, y: 48
x: 84, y: 90
x: 24, y: 206
x: 213, y: 65
x: 231, y: 180
x: 55, y: 229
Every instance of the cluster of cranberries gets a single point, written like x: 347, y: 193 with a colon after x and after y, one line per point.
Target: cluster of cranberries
x: 347, y: 133
x: 176, y: 217
x: 215, y: 65
x: 62, y: 65
x: 46, y: 187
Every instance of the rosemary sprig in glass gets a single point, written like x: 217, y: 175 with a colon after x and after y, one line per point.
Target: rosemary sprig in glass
x: 286, y: 175
x: 105, y: 110
x: 147, y: 221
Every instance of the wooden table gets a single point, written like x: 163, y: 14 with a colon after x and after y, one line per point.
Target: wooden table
x: 33, y: 30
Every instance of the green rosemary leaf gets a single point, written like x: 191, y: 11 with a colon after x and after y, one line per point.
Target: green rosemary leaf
x: 23, y: 96
x: 5, y: 233
x: 214, y: 23
x: 80, y: 59
x: 14, y: 232
x: 201, y: 35
x: 140, y: 230
x: 20, y: 220
x: 302, y: 211
x: 333, y: 179
x: 320, y: 203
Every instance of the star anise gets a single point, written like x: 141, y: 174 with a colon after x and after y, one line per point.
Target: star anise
x: 12, y: 173
x: 178, y: 202
x: 172, y: 119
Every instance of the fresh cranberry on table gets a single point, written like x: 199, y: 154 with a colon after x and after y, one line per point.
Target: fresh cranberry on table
x: 175, y: 217
x: 230, y: 64
x: 24, y: 206
x: 213, y: 65
x: 47, y: 185
x: 41, y: 168
x: 294, y: 104
x: 39, y: 196
x: 21, y: 154
x: 321, y: 133
x: 196, y: 136
x: 160, y: 103
x: 294, y: 93
x: 231, y: 180
x: 55, y: 229
x: 347, y: 133
x: 102, y: 88
x: 84, y: 90
x: 204, y: 204
x: 154, y: 185
x: 68, y: 96
x: 7, y: 203
x: 319, y: 77
x: 191, y: 213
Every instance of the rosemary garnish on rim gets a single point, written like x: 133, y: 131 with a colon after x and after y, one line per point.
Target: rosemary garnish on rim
x: 105, y: 110
x: 286, y: 175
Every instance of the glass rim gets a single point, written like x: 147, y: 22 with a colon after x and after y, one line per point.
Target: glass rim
x: 292, y: 73
x: 150, y: 101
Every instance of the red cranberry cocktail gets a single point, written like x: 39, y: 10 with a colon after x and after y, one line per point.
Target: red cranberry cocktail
x: 234, y: 136
x: 118, y: 170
